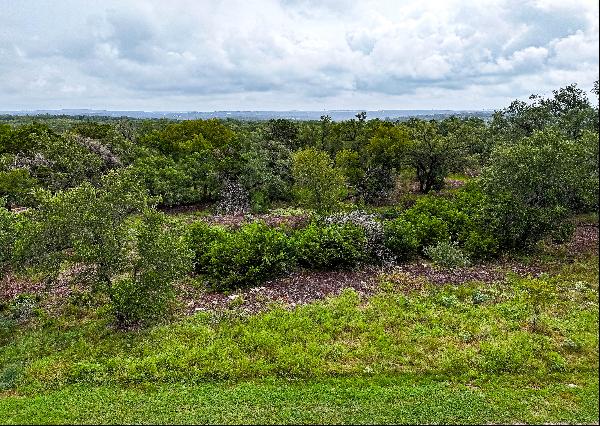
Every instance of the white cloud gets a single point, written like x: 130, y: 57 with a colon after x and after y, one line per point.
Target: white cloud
x: 291, y: 54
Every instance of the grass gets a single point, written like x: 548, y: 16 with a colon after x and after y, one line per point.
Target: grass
x: 412, y: 353
x: 362, y: 400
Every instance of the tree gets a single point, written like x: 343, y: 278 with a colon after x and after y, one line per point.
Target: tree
x: 431, y: 154
x: 284, y: 131
x: 317, y: 184
x: 349, y: 163
x: 532, y: 185
x: 569, y: 110
x: 156, y: 256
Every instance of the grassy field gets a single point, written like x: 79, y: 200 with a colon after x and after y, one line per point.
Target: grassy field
x: 520, y: 350
x: 376, y: 399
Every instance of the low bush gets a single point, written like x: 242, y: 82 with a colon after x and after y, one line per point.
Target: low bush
x: 455, y: 220
x: 330, y: 246
x: 447, y: 254
x: 428, y: 229
x: 400, y: 238
x: 247, y: 257
x: 199, y: 236
x: 480, y: 245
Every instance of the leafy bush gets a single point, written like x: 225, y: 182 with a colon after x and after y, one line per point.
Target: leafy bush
x: 372, y: 228
x: 532, y: 185
x: 400, y: 238
x: 456, y: 221
x: 481, y: 245
x: 330, y: 246
x: 447, y: 254
x: 157, y: 256
x: 428, y: 229
x: 199, y: 236
x: 247, y: 257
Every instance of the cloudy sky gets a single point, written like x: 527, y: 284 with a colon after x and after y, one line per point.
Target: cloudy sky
x: 291, y: 54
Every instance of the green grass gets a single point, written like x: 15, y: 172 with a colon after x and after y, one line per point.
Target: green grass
x: 397, y: 399
x: 468, y: 353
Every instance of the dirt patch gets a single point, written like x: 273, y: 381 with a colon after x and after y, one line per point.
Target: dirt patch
x: 12, y: 286
x: 296, y: 289
x: 304, y: 287
x: 584, y: 240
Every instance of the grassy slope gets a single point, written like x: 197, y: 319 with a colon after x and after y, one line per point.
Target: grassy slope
x: 454, y: 354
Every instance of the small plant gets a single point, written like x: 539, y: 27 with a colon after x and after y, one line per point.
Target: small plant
x: 447, y: 254
x: 9, y: 376
x: 538, y: 293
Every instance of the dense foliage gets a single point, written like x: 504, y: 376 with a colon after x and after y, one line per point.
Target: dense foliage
x: 79, y: 199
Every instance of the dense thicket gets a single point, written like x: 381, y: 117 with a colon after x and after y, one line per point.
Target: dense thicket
x: 90, y: 190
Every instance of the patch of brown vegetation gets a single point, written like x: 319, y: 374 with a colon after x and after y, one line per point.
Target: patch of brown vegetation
x: 584, y: 240
x: 11, y: 286
x: 304, y: 287
x: 299, y: 288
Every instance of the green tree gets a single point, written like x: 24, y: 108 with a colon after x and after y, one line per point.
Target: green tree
x: 157, y: 255
x: 532, y: 185
x: 317, y: 184
x: 432, y: 154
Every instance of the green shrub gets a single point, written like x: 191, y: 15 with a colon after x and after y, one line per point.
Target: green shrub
x: 447, y: 254
x: 400, y: 237
x: 428, y: 229
x: 199, y: 236
x: 9, y: 375
x: 248, y: 256
x: 330, y: 246
x: 456, y: 221
x: 481, y: 245
x: 157, y: 257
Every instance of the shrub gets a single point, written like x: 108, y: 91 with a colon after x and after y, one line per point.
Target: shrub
x: 428, y: 229
x: 248, y: 256
x: 456, y: 221
x: 480, y: 245
x: 372, y: 228
x: 330, y: 246
x: 157, y: 256
x: 400, y: 238
x: 447, y: 254
x: 199, y: 237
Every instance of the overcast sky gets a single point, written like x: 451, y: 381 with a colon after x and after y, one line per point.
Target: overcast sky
x: 291, y: 54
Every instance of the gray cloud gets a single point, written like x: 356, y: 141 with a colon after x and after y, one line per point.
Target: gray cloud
x: 291, y: 54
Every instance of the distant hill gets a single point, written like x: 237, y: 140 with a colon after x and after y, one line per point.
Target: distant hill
x: 335, y: 115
